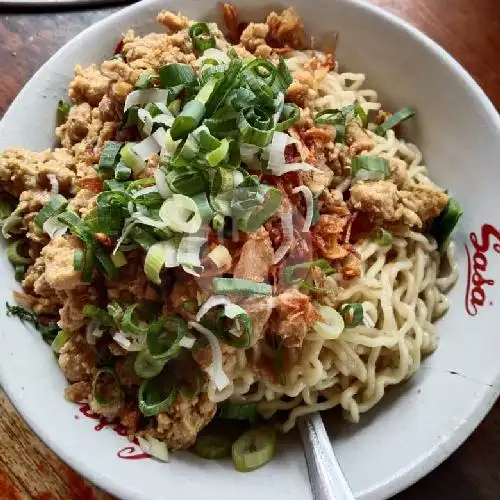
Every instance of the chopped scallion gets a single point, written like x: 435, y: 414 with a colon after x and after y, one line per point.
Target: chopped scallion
x: 239, y: 286
x: 156, y: 395
x: 443, y: 225
x: 369, y: 168
x: 395, y: 119
x: 201, y: 37
x: 253, y: 449
x: 352, y: 314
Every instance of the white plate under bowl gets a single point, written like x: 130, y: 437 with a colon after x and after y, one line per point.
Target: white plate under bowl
x: 417, y: 425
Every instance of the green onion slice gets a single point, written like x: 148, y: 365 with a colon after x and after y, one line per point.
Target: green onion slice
x: 237, y: 411
x: 239, y: 286
x: 353, y: 314
x: 254, y: 219
x: 201, y: 37
x: 224, y: 87
x: 98, y: 314
x: 331, y: 324
x: 163, y: 342
x: 187, y: 120
x: 146, y: 366
x: 156, y: 395
x: 395, y: 119
x: 365, y: 168
x: 19, y: 272
x: 290, y: 278
x: 219, y: 154
x: 238, y: 332
x: 253, y: 449
x: 106, y: 389
x: 15, y: 254
x: 63, y: 107
x: 290, y: 115
x: 256, y: 126
x: 212, y: 447
x: 181, y: 214
x: 142, y: 237
x: 131, y: 159
x: 122, y: 172
x: 5, y: 209
x: 443, y: 225
x: 111, y: 211
x: 145, y: 80
x: 55, y: 206
x: 381, y: 236
x: 175, y: 75
x: 187, y: 180
x: 105, y: 262
x: 160, y: 255
x: 130, y: 323
x: 109, y: 155
x: 61, y: 338
x: 78, y: 228
x: 361, y: 114
x: 119, y: 259
x: 78, y: 258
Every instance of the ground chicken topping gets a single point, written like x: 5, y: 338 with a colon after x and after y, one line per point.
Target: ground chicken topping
x: 212, y: 228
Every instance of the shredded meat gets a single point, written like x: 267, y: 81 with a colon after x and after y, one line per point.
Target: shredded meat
x: 298, y: 93
x: 77, y: 359
x: 126, y: 373
x: 253, y: 38
x: 383, y: 203
x: 129, y: 418
x: 425, y: 200
x: 351, y: 267
x: 331, y: 202
x: 327, y: 233
x: 204, y: 357
x: 296, y: 315
x: 174, y: 22
x: 357, y: 139
x: 76, y: 127
x: 132, y: 285
x: 259, y: 309
x: 181, y: 423
x: 79, y: 391
x: 399, y: 171
x: 154, y: 50
x: 317, y: 180
x: 32, y: 201
x: 110, y: 410
x: 119, y: 71
x: 22, y: 170
x: 88, y: 86
x: 59, y: 271
x: 256, y: 257
x: 83, y: 202
x: 286, y: 29
x: 74, y: 300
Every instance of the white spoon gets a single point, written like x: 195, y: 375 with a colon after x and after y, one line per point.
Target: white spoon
x: 325, y: 475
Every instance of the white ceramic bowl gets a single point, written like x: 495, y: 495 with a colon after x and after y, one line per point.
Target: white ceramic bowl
x: 418, y: 424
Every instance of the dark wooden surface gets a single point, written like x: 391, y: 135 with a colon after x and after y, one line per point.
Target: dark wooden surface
x: 469, y: 30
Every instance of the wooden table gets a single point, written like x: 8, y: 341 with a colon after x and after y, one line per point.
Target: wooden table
x: 470, y: 31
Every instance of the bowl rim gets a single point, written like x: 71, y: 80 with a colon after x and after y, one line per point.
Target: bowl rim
x: 486, y: 395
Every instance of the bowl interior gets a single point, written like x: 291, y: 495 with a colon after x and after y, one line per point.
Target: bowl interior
x: 418, y: 424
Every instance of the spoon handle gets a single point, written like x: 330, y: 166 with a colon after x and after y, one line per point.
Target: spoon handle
x: 325, y: 475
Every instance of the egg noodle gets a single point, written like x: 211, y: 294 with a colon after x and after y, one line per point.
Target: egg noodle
x: 402, y: 290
